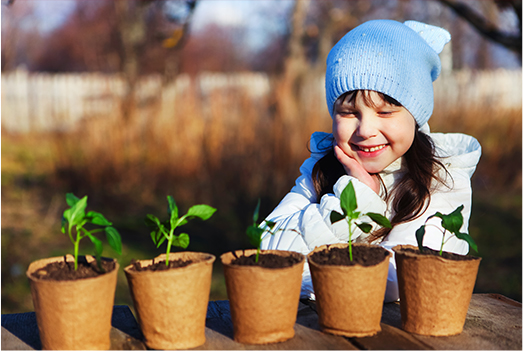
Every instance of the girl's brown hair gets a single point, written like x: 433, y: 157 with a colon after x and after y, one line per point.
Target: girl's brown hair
x: 410, y: 196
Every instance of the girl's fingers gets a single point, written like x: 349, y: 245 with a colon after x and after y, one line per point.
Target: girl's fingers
x: 352, y: 167
x: 355, y: 169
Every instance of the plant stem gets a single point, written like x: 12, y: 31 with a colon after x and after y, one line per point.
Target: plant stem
x: 169, y: 244
x: 350, y: 239
x: 442, y: 243
x: 76, y: 245
x: 257, y: 254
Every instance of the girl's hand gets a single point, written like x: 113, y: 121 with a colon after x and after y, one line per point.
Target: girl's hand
x: 355, y: 169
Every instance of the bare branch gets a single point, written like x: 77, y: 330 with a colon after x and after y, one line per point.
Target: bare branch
x: 485, y: 27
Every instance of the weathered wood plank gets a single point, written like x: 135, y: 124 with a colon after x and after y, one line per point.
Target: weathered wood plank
x: 20, y: 331
x: 12, y: 342
x: 391, y: 335
x: 23, y: 327
x: 390, y: 338
x: 493, y: 323
x: 219, y: 333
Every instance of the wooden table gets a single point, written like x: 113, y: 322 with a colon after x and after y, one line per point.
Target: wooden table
x: 493, y: 322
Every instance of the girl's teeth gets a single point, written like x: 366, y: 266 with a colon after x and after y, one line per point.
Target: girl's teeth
x: 372, y: 149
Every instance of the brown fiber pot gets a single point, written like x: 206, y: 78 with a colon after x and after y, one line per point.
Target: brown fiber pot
x: 263, y: 301
x: 76, y: 314
x: 349, y: 299
x: 434, y: 292
x: 171, y: 305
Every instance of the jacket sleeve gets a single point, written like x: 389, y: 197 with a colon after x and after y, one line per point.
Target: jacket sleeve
x: 303, y: 224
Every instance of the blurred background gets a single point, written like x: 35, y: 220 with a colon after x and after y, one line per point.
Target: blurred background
x: 214, y: 102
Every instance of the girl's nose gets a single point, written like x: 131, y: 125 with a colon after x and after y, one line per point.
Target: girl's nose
x: 368, y: 127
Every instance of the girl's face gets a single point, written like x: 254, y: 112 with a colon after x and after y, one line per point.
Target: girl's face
x: 372, y: 130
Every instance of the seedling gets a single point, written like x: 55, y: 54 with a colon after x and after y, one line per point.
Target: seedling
x: 73, y: 221
x: 165, y: 230
x: 450, y: 222
x: 254, y: 231
x: 349, y: 205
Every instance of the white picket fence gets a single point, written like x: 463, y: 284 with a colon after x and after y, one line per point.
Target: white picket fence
x: 41, y: 102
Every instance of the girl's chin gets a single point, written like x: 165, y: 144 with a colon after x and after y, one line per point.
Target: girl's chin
x: 372, y: 168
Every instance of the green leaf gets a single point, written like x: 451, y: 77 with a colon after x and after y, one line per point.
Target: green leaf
x: 154, y: 236
x: 67, y: 215
x: 453, y: 221
x: 348, y: 199
x: 380, y: 219
x: 64, y: 224
x: 270, y: 224
x: 203, y: 212
x: 152, y: 221
x: 161, y: 239
x: 181, y: 240
x: 77, y: 212
x: 256, y: 213
x: 365, y: 227
x: 98, y: 247
x: 354, y: 215
x: 468, y: 239
x: 158, y: 236
x: 254, y: 234
x: 336, y: 216
x: 172, y: 209
x: 420, y: 233
x: 71, y: 199
x: 97, y: 218
x: 158, y: 229
x: 114, y: 239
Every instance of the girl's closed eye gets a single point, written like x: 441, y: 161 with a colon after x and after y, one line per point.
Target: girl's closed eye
x: 347, y: 113
x: 387, y: 112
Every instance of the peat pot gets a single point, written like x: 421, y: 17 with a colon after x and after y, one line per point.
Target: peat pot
x: 263, y: 301
x: 73, y: 314
x: 349, y: 298
x: 171, y: 305
x: 434, y: 291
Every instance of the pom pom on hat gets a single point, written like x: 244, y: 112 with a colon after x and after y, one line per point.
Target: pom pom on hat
x: 397, y: 59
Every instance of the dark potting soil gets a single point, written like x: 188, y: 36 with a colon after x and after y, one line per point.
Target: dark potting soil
x: 160, y: 265
x: 447, y: 255
x: 268, y: 260
x: 63, y: 270
x: 362, y: 255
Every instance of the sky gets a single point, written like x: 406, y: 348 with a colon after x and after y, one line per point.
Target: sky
x: 52, y: 13
x: 253, y: 16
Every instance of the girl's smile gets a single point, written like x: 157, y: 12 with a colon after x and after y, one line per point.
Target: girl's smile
x: 369, y: 151
x: 371, y: 130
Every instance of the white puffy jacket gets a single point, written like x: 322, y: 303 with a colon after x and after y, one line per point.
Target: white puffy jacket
x: 311, y: 220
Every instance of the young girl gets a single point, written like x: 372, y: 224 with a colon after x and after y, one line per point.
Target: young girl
x: 379, y: 94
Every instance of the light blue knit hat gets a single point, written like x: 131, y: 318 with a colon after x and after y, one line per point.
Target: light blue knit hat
x: 398, y: 59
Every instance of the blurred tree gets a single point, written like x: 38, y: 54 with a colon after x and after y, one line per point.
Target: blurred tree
x: 132, y: 29
x: 179, y: 15
x: 133, y: 24
x: 18, y: 27
x: 214, y: 49
x: 97, y: 36
x: 486, y: 26
x: 87, y: 41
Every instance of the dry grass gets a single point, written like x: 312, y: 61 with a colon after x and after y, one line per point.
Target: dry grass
x: 224, y: 148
